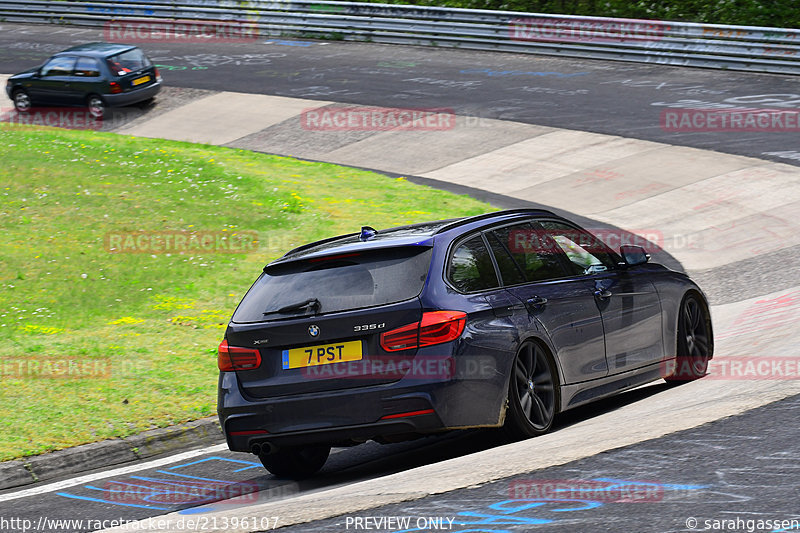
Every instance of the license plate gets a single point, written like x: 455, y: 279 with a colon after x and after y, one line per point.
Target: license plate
x: 139, y: 81
x: 322, y: 354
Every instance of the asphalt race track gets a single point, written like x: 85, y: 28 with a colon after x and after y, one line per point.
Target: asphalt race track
x: 206, y: 476
x: 530, y: 131
x: 599, y: 96
x: 736, y: 472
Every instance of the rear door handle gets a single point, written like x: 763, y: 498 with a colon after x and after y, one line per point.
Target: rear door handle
x: 536, y: 301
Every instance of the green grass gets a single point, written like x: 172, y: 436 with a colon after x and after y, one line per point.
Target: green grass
x: 143, y: 328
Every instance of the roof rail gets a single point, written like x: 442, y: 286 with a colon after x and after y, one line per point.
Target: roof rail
x: 451, y: 225
x: 316, y: 243
x: 467, y: 220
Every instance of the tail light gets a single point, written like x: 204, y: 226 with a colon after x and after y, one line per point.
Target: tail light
x: 435, y: 327
x: 230, y: 358
x: 116, y: 88
x: 155, y: 71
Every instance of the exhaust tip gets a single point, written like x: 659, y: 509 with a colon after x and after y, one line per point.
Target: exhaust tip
x: 257, y: 448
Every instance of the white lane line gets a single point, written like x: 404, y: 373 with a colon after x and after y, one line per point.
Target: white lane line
x: 58, y: 485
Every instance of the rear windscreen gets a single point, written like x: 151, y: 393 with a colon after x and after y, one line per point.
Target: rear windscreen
x: 336, y: 283
x: 127, y: 62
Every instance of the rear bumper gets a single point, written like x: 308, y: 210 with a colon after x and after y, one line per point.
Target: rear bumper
x: 132, y: 97
x: 357, y: 414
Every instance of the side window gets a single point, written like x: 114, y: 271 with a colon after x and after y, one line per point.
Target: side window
x: 587, y: 255
x: 533, y: 250
x: 470, y: 267
x: 58, y: 66
x: 509, y: 270
x: 87, y: 67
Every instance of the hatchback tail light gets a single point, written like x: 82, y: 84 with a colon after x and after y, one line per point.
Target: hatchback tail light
x: 435, y: 327
x: 230, y: 358
x: 116, y: 88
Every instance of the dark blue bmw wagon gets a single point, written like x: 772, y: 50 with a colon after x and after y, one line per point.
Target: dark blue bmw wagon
x: 497, y: 320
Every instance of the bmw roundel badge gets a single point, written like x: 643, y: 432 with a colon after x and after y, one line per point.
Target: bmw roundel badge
x: 313, y: 330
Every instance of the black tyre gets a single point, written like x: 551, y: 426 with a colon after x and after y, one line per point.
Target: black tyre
x: 296, y: 463
x: 22, y: 101
x: 695, y: 344
x: 532, y: 393
x: 96, y: 106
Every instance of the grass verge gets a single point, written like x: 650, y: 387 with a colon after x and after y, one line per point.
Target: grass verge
x: 98, y: 342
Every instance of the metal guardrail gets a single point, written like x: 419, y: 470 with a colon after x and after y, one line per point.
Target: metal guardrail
x: 759, y: 49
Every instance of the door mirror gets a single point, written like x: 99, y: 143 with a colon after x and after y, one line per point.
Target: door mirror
x: 633, y: 255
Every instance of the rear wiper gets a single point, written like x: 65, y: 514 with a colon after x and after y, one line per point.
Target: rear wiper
x: 312, y: 303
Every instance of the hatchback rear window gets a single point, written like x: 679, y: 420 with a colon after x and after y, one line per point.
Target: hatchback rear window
x: 127, y: 62
x: 337, y: 283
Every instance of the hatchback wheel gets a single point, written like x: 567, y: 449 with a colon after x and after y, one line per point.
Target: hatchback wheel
x: 694, y: 341
x: 296, y: 463
x: 22, y: 102
x: 97, y: 107
x: 532, y: 393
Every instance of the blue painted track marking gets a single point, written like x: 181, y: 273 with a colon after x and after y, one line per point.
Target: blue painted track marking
x: 184, y: 481
x: 76, y: 497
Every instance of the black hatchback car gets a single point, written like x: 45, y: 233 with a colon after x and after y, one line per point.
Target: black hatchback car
x: 503, y: 319
x: 94, y: 75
